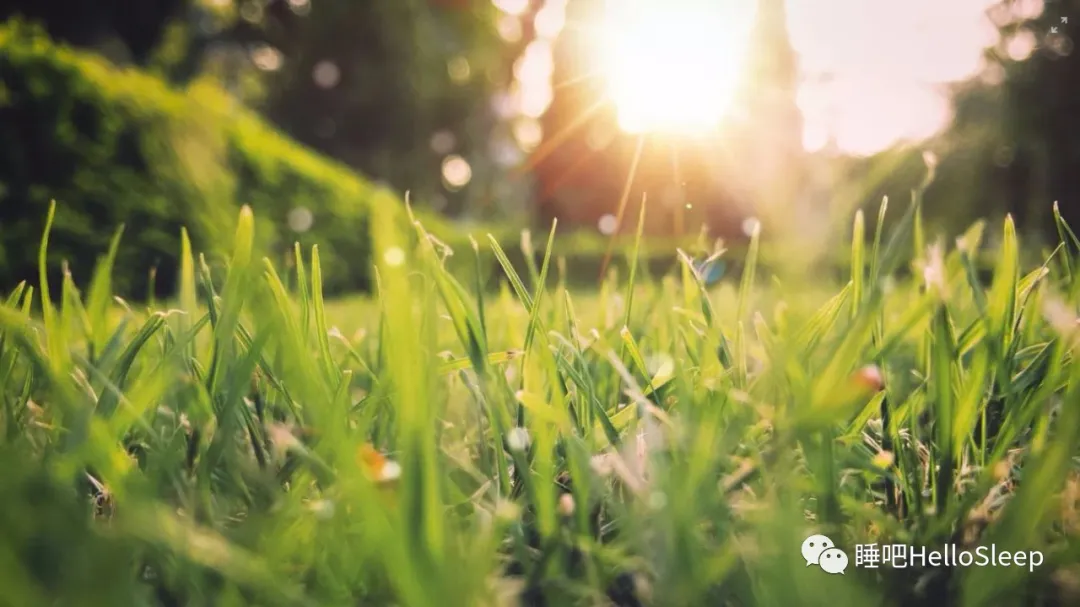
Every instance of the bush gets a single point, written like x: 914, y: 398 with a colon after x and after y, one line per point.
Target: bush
x: 117, y: 146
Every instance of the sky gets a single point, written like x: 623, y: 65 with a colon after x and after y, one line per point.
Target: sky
x: 873, y: 70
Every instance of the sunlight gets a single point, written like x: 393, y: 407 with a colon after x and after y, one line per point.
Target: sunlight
x: 673, y: 66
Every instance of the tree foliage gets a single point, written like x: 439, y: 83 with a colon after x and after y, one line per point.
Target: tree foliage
x: 139, y: 26
x: 115, y: 146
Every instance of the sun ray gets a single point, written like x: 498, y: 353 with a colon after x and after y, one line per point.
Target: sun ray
x: 560, y: 137
x: 680, y: 212
x: 632, y: 174
x: 550, y: 145
x: 658, y: 63
x: 592, y: 75
x: 560, y: 180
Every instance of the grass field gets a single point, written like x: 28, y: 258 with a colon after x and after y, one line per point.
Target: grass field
x: 650, y: 443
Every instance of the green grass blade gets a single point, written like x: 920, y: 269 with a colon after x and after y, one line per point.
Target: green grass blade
x: 302, y: 285
x: 54, y: 336
x: 233, y: 296
x: 858, y: 246
x: 100, y: 296
x: 875, y: 252
x: 534, y: 311
x: 331, y: 373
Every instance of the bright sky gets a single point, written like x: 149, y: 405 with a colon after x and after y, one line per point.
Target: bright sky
x: 887, y: 60
x: 872, y: 70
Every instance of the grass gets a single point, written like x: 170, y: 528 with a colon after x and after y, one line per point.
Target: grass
x: 654, y: 443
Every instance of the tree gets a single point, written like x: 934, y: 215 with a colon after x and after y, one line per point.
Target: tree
x: 139, y: 25
x: 1042, y: 96
x: 393, y: 89
x: 1015, y: 141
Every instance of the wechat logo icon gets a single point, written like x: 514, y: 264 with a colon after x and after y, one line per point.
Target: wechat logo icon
x: 821, y: 551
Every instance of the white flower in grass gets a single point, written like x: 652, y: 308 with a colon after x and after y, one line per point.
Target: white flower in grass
x: 1063, y: 319
x: 934, y: 269
x: 1060, y: 316
x: 282, y: 439
x: 323, y: 509
x: 507, y: 510
x: 391, y: 471
x: 566, y: 504
x: 517, y: 440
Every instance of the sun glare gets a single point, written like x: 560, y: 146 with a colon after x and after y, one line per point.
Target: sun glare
x: 673, y: 66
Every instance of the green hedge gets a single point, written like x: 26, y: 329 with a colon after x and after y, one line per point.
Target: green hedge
x: 117, y: 146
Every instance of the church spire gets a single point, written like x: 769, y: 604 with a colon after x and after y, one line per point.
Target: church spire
x: 772, y: 74
x: 773, y: 123
x: 772, y: 56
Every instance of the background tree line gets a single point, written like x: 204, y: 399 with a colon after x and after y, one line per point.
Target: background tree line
x: 391, y: 89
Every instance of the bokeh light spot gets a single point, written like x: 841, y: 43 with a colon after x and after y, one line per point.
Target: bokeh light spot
x: 300, y: 219
x: 528, y: 133
x: 300, y: 7
x: 443, y: 142
x: 394, y: 256
x: 267, y: 58
x: 608, y: 224
x: 456, y: 172
x: 326, y: 74
x: 1021, y: 45
x: 459, y: 69
x: 1059, y: 44
x: 509, y: 28
x: 551, y: 19
x: 512, y: 7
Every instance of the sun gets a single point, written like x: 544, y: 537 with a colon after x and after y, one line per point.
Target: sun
x: 673, y: 66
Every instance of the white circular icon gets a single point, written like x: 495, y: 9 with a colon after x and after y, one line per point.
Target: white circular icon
x: 833, y: 560
x: 813, y: 546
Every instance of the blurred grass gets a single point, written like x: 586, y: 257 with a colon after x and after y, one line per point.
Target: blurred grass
x: 651, y: 442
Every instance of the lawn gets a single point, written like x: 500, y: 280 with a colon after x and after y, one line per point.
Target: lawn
x: 648, y: 442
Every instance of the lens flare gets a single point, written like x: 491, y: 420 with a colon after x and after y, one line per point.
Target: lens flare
x: 673, y: 66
